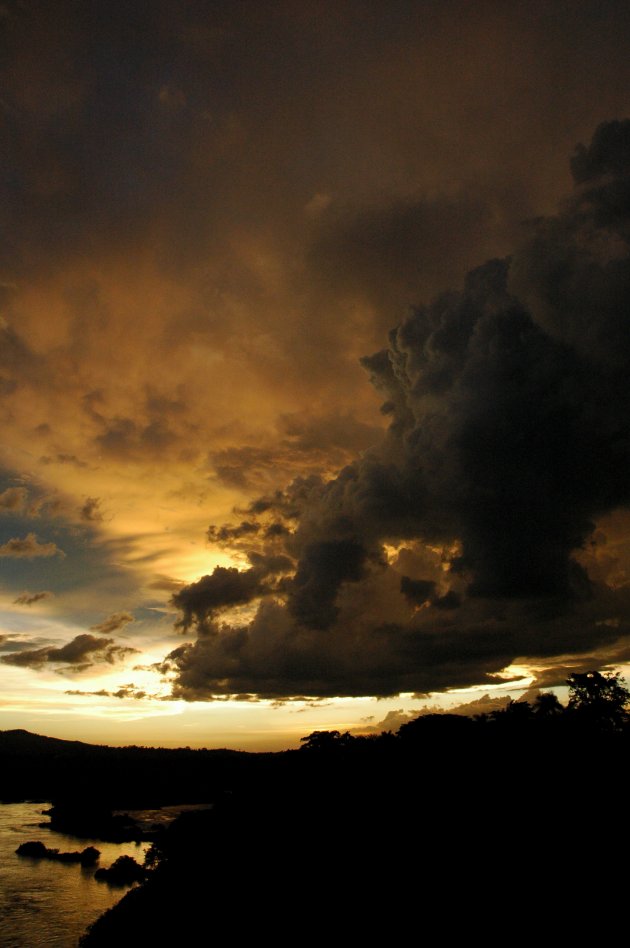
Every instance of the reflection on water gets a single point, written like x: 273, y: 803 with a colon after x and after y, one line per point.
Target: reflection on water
x: 154, y: 819
x: 46, y: 904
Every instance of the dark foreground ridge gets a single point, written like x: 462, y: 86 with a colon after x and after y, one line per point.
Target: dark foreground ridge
x: 455, y: 822
x: 519, y: 811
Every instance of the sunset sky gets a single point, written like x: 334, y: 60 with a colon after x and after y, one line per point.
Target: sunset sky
x: 314, y: 359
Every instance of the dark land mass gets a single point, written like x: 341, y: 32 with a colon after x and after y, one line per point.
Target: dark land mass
x: 87, y: 782
x: 45, y: 768
x: 460, y: 824
x: 515, y: 818
x: 38, y: 850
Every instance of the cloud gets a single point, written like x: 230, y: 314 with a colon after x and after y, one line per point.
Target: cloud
x: 91, y: 510
x: 228, y: 533
x: 227, y: 587
x: 189, y: 273
x: 18, y: 642
x: 61, y: 458
x: 115, y: 622
x: 383, y: 252
x: 486, y: 704
x: 607, y: 154
x: 29, y: 547
x: 166, y: 584
x: 323, y: 567
x: 13, y: 499
x: 508, y: 404
x: 81, y: 653
x: 393, y: 720
x: 29, y: 599
x: 126, y: 691
x: 303, y: 441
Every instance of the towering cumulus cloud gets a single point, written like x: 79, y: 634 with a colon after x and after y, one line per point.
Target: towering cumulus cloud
x: 464, y: 543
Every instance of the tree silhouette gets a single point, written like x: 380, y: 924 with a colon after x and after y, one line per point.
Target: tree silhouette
x: 547, y: 706
x: 599, y: 699
x: 326, y: 741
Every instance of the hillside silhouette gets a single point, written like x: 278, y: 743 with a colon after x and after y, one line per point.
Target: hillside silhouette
x: 356, y: 830
x: 79, y: 777
x: 514, y: 811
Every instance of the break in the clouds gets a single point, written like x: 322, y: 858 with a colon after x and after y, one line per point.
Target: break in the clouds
x: 508, y: 441
x: 81, y: 653
x: 29, y: 547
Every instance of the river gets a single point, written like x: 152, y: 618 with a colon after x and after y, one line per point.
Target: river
x: 47, y: 904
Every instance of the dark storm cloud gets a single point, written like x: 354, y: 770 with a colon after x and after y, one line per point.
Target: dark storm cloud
x: 508, y: 439
x: 227, y: 587
x: 304, y: 441
x: 364, y: 655
x: 323, y: 567
x: 607, y: 154
x: 334, y: 434
x: 228, y: 533
x: 510, y: 402
x: 417, y: 591
x: 237, y: 199
x: 241, y: 196
x: 382, y: 254
x: 420, y: 592
x: 79, y: 654
x: 248, y: 534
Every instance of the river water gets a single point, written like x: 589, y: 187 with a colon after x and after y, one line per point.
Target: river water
x: 46, y: 904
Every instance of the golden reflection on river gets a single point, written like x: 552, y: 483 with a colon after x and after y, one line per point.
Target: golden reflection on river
x: 47, y: 904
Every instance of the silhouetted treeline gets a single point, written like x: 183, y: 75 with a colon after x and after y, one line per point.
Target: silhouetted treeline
x: 457, y: 822
x: 38, y: 850
x: 454, y: 821
x: 44, y: 768
x: 85, y: 781
x: 352, y: 834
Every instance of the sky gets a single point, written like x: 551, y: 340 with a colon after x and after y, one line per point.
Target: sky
x: 313, y: 362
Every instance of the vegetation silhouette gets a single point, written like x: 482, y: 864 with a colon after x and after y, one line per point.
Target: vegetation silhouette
x: 381, y: 832
x: 38, y: 850
x: 124, y: 871
x: 599, y: 701
x: 398, y: 811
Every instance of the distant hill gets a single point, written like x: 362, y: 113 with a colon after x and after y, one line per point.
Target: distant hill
x: 19, y: 740
x: 33, y: 766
